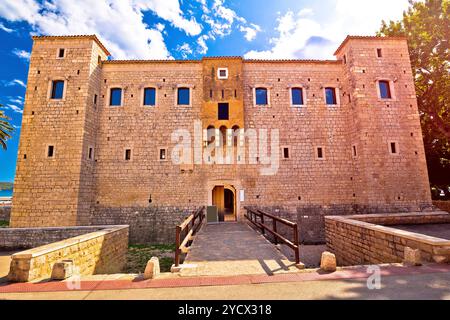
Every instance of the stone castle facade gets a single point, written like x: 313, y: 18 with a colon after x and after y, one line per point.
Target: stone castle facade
x: 97, y: 143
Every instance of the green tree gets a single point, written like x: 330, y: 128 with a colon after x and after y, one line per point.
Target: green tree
x: 426, y: 24
x: 5, y: 129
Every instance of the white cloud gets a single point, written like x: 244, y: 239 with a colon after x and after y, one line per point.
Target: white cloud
x: 303, y: 35
x: 185, y: 50
x: 14, y: 108
x: 202, y: 47
x: 118, y: 23
x: 22, y: 54
x: 250, y: 32
x: 4, y: 28
x: 15, y: 82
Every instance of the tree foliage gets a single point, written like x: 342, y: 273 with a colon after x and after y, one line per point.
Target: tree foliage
x: 5, y: 129
x: 426, y: 24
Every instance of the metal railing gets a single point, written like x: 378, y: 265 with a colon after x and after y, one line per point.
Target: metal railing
x: 253, y: 214
x: 186, y: 231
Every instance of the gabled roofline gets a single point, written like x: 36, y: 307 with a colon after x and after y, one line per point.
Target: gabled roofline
x: 90, y: 36
x: 348, y: 38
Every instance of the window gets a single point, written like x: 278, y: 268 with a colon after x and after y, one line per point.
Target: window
x: 345, y: 59
x: 149, y: 96
x: 285, y: 153
x: 128, y: 154
x: 183, y: 98
x: 162, y: 154
x: 50, y: 151
x: 379, y: 53
x: 115, y: 98
x: 223, y: 111
x: 99, y: 59
x: 330, y: 96
x: 61, y: 53
x: 320, y: 153
x: 297, y: 96
x: 95, y: 99
x: 385, y: 89
x: 90, y: 152
x: 57, y: 89
x: 222, y: 73
x: 354, y: 151
x: 393, y: 147
x: 261, y: 96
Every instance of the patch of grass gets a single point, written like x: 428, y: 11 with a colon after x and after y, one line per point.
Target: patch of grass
x: 138, y: 256
x: 4, y: 224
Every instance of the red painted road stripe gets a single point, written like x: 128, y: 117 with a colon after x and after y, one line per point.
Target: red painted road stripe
x: 349, y: 273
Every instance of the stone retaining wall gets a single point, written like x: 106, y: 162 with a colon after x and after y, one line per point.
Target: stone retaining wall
x: 443, y: 205
x: 100, y: 252
x: 5, y: 212
x: 359, y: 240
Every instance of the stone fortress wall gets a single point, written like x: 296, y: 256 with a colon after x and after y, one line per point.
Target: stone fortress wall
x: 357, y: 174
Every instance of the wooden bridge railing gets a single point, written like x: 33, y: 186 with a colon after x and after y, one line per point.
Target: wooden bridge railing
x: 253, y: 214
x: 186, y: 231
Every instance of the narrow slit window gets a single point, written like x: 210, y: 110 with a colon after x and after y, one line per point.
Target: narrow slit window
x: 379, y: 53
x: 385, y: 89
x: 297, y: 96
x: 162, y: 154
x: 354, y: 151
x: 57, y: 89
x: 286, y: 153
x: 50, y: 151
x: 330, y: 96
x: 183, y: 98
x: 61, y: 53
x: 128, y: 154
x: 394, y: 148
x: 149, y: 97
x: 319, y: 153
x: 90, y: 154
x: 115, y: 98
x: 95, y: 99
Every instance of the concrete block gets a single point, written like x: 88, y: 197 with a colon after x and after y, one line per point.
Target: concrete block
x: 62, y: 270
x: 328, y: 262
x: 152, y: 269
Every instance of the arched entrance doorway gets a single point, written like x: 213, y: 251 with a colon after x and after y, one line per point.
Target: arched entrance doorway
x: 224, y: 198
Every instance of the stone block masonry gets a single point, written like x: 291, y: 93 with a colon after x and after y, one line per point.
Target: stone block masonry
x: 5, y: 212
x: 89, y: 179
x: 99, y: 252
x: 366, y: 239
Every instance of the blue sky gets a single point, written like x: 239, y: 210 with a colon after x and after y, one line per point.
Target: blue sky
x: 178, y: 29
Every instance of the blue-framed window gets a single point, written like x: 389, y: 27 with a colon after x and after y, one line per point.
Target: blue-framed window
x: 297, y: 96
x: 149, y: 97
x: 330, y: 96
x: 385, y: 89
x: 57, y: 89
x: 115, y: 98
x: 183, y: 98
x: 261, y: 96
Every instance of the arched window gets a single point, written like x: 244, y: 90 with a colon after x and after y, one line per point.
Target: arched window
x: 210, y: 135
x: 261, y: 96
x: 235, y: 135
x: 223, y: 135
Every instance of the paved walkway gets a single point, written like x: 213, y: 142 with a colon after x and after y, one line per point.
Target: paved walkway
x: 397, y: 282
x: 234, y: 249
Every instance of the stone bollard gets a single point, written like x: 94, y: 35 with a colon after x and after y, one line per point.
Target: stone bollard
x: 152, y: 268
x: 328, y: 262
x: 412, y: 257
x: 62, y: 270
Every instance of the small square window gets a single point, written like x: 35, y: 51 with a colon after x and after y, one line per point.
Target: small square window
x: 183, y: 98
x: 320, y: 153
x: 61, y: 53
x: 162, y: 154
x: 50, y: 151
x: 128, y: 154
x: 222, y: 73
x: 57, y: 89
x: 379, y: 53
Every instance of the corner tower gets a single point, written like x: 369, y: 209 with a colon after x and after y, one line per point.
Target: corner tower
x: 387, y: 144
x: 53, y: 184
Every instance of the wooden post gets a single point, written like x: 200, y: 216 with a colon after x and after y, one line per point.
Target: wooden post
x: 275, y: 230
x: 262, y: 222
x: 297, y: 254
x: 177, y: 243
